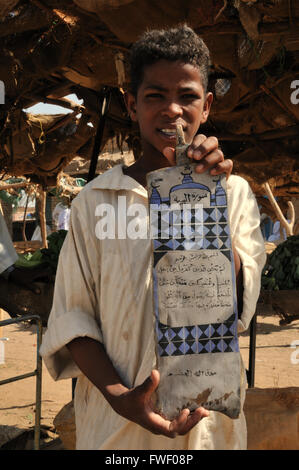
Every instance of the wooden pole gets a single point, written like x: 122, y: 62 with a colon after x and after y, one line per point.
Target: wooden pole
x: 1, y: 327
x: 24, y: 220
x: 4, y: 187
x: 42, y: 218
x: 1, y: 311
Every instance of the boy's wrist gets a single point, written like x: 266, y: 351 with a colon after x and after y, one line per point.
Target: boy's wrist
x: 113, y: 392
x: 116, y: 397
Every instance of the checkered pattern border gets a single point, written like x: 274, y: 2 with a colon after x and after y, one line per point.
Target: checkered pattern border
x: 191, y: 231
x: 198, y: 339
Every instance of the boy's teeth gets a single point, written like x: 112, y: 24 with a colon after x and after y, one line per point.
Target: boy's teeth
x: 169, y: 131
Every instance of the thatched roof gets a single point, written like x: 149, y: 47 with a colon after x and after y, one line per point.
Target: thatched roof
x: 53, y: 48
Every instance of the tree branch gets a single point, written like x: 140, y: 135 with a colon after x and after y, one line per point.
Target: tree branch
x: 289, y: 226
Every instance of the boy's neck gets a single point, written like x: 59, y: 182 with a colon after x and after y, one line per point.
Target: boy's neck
x: 150, y: 160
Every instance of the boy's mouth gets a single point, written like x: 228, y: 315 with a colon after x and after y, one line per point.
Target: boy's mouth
x: 168, y: 133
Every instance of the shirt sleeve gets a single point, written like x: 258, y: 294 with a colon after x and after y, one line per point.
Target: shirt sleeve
x: 74, y: 310
x: 8, y: 255
x: 248, y: 242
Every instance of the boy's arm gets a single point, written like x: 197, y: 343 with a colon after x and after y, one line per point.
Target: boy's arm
x: 133, y: 404
x: 248, y: 243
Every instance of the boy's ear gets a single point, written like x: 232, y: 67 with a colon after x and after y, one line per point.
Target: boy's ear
x: 130, y: 101
x: 207, y: 107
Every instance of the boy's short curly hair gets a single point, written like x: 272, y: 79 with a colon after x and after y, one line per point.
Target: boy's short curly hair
x: 180, y: 43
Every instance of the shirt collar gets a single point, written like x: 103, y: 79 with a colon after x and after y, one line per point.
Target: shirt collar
x: 115, y: 180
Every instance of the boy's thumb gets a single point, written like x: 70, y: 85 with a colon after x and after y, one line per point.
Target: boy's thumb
x: 151, y: 383
x: 169, y: 153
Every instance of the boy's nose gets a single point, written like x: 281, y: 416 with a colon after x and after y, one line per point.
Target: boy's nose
x: 172, y: 109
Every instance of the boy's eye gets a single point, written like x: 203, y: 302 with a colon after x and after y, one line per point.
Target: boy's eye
x: 154, y: 95
x: 190, y: 96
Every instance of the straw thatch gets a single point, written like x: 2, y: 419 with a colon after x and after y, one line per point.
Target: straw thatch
x: 52, y: 48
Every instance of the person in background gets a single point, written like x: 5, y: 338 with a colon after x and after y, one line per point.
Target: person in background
x: 8, y: 254
x: 8, y: 257
x: 278, y: 233
x: 61, y: 216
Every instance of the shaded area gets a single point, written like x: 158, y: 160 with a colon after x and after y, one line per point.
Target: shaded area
x: 23, y: 439
x: 52, y: 49
x: 267, y: 328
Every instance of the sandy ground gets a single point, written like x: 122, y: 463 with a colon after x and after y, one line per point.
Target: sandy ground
x: 17, y: 399
x: 277, y: 365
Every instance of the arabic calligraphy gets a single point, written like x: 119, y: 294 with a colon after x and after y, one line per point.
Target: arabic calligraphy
x: 189, y: 197
x: 196, y: 373
x: 192, y: 285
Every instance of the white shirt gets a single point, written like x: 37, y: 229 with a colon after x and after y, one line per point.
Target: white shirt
x: 103, y: 291
x: 8, y: 255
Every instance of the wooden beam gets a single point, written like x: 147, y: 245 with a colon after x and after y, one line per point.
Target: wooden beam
x: 5, y: 187
x: 63, y: 102
x: 266, y: 30
x: 268, y: 135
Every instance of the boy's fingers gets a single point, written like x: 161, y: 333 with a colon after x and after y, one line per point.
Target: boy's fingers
x: 209, y: 161
x: 186, y: 420
x: 226, y: 166
x: 195, y: 417
x: 197, y: 141
x: 178, y: 423
x: 205, y: 150
x: 202, y: 146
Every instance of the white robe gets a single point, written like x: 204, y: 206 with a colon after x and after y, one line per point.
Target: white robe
x: 103, y: 291
x: 8, y: 255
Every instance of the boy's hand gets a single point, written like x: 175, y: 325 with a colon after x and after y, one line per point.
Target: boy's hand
x: 136, y: 405
x: 204, y: 150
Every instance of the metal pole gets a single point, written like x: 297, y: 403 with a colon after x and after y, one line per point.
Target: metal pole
x: 37, y: 372
x: 252, y: 348
x: 99, y: 135
x: 38, y: 392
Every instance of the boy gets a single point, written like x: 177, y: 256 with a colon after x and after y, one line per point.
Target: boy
x: 101, y: 328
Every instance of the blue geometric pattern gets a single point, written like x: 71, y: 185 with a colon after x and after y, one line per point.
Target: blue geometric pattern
x: 204, y: 228
x: 198, y: 339
x: 191, y: 229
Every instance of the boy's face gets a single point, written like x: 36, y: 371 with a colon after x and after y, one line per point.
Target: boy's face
x: 171, y: 93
